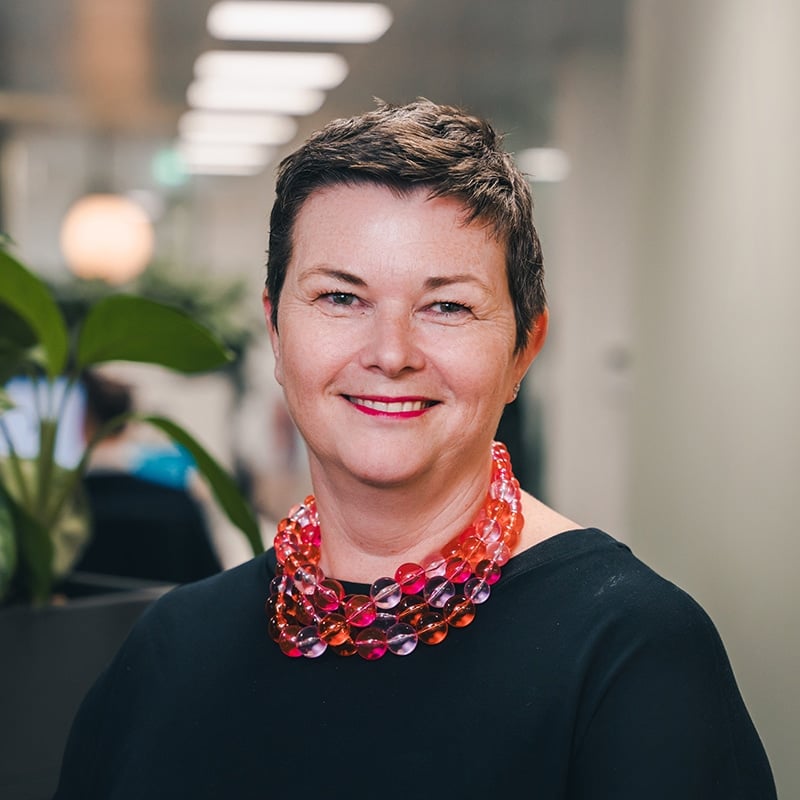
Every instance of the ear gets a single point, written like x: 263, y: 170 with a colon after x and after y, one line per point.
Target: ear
x: 536, y: 339
x: 275, y: 340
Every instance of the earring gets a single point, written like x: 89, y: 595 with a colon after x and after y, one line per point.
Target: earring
x: 516, y: 391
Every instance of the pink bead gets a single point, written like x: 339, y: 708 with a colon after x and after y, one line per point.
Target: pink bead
x: 287, y: 641
x: 307, y: 578
x: 498, y: 552
x: 359, y: 610
x: 488, y: 530
x: 309, y: 642
x: 411, y: 577
x: 401, y: 639
x: 435, y: 566
x: 371, y: 643
x: 438, y: 591
x: 477, y: 590
x: 386, y: 593
x: 457, y: 569
x: 489, y: 571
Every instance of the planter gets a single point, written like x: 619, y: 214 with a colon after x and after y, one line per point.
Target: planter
x: 49, y: 658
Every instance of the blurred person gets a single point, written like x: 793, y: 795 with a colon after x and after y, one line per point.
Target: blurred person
x: 431, y: 628
x: 144, y: 521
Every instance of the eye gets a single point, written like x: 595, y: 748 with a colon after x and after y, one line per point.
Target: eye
x: 450, y: 309
x: 339, y: 298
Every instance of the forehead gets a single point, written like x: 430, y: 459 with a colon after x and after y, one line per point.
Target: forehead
x: 369, y: 219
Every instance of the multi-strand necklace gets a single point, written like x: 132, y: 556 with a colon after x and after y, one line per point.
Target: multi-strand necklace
x: 309, y: 613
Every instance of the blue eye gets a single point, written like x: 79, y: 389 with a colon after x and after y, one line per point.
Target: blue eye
x: 451, y: 308
x: 340, y: 298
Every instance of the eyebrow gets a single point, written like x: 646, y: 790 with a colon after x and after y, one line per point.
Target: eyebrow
x: 432, y: 283
x: 336, y: 274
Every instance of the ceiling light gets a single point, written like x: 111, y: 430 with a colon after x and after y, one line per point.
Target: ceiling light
x: 309, y: 70
x: 236, y: 128
x: 221, y: 95
x: 298, y: 22
x: 223, y: 155
x: 543, y: 164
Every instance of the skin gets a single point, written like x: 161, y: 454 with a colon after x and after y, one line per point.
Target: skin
x: 395, y: 350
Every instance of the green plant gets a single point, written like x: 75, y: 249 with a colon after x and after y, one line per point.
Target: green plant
x: 38, y: 496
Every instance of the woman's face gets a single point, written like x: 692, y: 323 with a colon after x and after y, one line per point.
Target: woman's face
x: 395, y: 338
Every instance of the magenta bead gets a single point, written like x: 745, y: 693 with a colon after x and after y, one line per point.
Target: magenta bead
x: 371, y: 643
x: 386, y: 593
x: 458, y: 569
x: 360, y: 610
x: 411, y: 577
x: 401, y: 639
x: 489, y: 571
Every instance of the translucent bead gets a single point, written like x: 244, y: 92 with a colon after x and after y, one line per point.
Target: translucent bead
x: 371, y: 643
x: 438, y: 591
x: 503, y: 490
x: 333, y: 629
x: 359, y: 610
x: 346, y: 648
x: 386, y: 593
x: 498, y: 552
x: 278, y: 585
x: 488, y: 530
x: 411, y: 577
x: 457, y: 569
x: 328, y: 595
x: 477, y: 590
x: 401, y: 639
x: 496, y: 509
x: 306, y: 578
x: 489, y: 571
x: 287, y: 641
x: 473, y: 549
x: 435, y: 566
x: 411, y: 608
x: 384, y: 620
x: 275, y: 626
x: 432, y: 628
x: 459, y: 611
x: 309, y: 642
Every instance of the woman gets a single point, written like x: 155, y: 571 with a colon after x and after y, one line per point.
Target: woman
x: 430, y: 628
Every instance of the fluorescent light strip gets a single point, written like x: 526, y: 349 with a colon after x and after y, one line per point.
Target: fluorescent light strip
x: 543, y: 164
x: 241, y: 128
x: 298, y: 22
x: 290, y: 70
x: 224, y: 154
x: 222, y: 169
x: 220, y: 95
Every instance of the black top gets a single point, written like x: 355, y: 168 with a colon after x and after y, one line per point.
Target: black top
x: 585, y: 675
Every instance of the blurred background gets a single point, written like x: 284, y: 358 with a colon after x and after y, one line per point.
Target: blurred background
x: 661, y: 141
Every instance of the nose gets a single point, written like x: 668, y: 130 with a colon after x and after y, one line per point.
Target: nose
x: 392, y: 344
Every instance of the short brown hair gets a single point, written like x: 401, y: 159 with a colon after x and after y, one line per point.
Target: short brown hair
x: 418, y: 145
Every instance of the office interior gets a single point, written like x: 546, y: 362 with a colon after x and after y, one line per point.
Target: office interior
x: 661, y: 141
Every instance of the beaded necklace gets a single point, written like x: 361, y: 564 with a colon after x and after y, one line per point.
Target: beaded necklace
x: 309, y: 613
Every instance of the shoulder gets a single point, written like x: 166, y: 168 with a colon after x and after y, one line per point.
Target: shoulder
x: 209, y: 608
x: 592, y: 579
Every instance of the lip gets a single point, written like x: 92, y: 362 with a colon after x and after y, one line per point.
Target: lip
x: 391, y: 407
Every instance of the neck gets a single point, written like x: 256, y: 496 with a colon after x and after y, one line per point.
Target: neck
x: 368, y: 531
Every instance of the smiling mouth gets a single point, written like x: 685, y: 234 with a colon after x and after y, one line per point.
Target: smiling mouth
x: 405, y: 406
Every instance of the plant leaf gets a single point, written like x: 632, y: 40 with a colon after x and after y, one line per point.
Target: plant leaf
x: 8, y: 546
x: 30, y: 299
x: 129, y: 328
x: 222, y: 485
x: 34, y: 578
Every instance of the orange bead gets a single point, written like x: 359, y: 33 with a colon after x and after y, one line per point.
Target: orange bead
x: 459, y: 611
x: 334, y: 629
x: 432, y: 628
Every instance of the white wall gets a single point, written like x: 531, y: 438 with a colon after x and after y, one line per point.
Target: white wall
x: 716, y: 422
